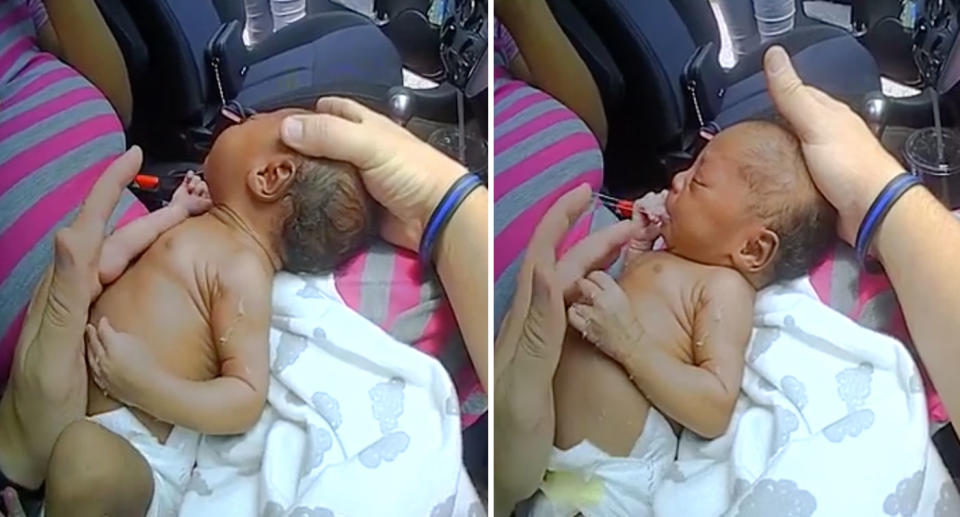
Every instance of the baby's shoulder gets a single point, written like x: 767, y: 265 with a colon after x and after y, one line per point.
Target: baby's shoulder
x: 726, y: 282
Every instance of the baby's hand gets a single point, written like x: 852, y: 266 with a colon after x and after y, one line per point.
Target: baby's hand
x: 192, y: 195
x: 649, y: 214
x: 120, y: 362
x: 604, y: 316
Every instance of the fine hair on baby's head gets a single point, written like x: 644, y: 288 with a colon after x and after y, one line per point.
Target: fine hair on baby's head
x: 784, y: 197
x: 332, y: 216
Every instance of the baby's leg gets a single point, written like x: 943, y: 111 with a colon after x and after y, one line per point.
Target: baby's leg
x: 128, y: 242
x: 94, y: 472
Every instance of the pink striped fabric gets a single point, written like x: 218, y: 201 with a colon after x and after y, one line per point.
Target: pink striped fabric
x: 541, y: 151
x: 868, y: 299
x: 50, y: 155
x: 387, y: 286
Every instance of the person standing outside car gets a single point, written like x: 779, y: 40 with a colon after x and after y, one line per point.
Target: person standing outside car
x: 754, y: 22
x: 264, y: 17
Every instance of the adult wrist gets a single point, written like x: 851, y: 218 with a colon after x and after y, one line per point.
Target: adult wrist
x: 474, y: 200
x: 876, y: 177
x: 446, y: 173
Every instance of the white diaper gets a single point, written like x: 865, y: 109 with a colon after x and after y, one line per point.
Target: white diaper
x: 587, y: 480
x: 172, y: 462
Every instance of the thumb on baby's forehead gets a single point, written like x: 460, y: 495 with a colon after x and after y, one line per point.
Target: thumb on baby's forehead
x: 327, y: 136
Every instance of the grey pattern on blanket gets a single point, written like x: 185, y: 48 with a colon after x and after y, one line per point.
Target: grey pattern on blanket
x: 763, y: 338
x: 272, y: 509
x: 310, y: 290
x: 386, y: 448
x: 905, y: 497
x: 786, y: 423
x: 328, y: 407
x: 387, y: 403
x: 794, y: 390
x: 781, y: 497
x: 853, y: 385
x: 444, y: 508
x: 320, y: 441
x: 949, y: 503
x: 288, y: 351
x: 851, y: 425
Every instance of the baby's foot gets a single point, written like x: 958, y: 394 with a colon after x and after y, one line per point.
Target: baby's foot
x: 192, y: 194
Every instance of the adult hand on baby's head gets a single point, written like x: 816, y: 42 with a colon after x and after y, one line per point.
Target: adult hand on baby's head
x: 847, y: 163
x: 120, y: 362
x: 404, y: 174
x: 604, y: 316
x: 192, y: 195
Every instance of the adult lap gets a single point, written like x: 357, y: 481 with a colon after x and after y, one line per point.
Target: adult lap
x: 57, y: 135
x: 541, y: 151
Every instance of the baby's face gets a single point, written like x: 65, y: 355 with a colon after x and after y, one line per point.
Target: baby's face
x: 244, y: 147
x: 709, y: 216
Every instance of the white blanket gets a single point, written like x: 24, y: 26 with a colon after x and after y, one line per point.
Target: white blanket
x: 357, y: 424
x: 831, y: 421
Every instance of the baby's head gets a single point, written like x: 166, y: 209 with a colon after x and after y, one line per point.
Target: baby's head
x: 748, y: 202
x: 318, y: 212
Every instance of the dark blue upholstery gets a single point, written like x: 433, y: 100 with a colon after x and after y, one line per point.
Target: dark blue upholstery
x: 839, y: 66
x: 371, y: 59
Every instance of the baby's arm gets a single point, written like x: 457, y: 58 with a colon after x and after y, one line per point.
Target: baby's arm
x: 700, y: 396
x: 128, y: 242
x: 228, y: 404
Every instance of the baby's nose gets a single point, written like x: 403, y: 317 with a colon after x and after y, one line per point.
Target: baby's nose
x: 677, y: 184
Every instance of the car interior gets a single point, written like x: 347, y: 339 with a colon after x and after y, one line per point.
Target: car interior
x: 664, y: 90
x: 187, y: 61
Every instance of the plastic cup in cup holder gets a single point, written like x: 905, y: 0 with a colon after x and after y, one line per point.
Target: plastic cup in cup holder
x: 941, y: 176
x: 447, y: 139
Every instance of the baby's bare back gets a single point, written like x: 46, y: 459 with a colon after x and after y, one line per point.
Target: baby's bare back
x: 165, y: 299
x: 594, y: 396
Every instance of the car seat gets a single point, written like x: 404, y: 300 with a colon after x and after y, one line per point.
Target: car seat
x: 652, y: 41
x: 337, y: 52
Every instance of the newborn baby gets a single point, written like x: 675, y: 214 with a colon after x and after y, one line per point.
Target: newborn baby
x: 671, y: 343
x: 180, y: 345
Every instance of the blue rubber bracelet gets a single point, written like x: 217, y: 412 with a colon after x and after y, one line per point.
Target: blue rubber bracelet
x: 449, y: 204
x: 879, y: 209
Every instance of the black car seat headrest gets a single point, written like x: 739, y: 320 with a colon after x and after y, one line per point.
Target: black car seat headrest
x: 594, y: 54
x: 231, y: 10
x: 700, y: 20
x: 650, y: 43
x: 176, y: 32
x: 128, y: 37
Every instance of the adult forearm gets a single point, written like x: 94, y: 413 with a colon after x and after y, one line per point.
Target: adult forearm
x: 703, y: 405
x: 224, y: 405
x: 919, y: 246
x: 86, y: 44
x: 553, y: 62
x: 462, y: 256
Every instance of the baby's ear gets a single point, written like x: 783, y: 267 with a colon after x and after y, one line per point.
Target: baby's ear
x: 272, y: 180
x: 758, y: 251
